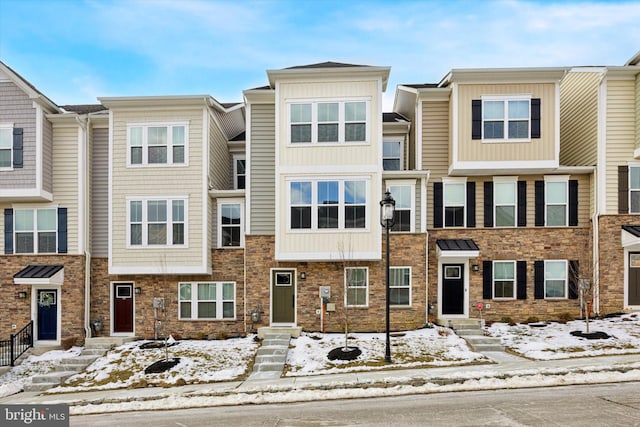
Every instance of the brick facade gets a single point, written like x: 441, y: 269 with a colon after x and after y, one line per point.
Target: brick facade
x: 611, y: 262
x: 407, y: 250
x: 517, y: 244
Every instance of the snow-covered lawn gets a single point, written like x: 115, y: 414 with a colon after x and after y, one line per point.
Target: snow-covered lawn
x: 421, y: 348
x: 554, y: 340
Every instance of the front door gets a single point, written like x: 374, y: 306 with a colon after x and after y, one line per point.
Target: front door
x: 633, y: 291
x: 283, y: 297
x: 123, y: 308
x: 452, y: 289
x: 47, y: 314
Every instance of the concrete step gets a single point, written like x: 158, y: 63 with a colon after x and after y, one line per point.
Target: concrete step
x: 40, y: 386
x: 280, y: 358
x: 275, y: 343
x: 113, y: 341
x: 262, y: 351
x: 93, y: 352
x: 481, y: 348
x: 469, y: 332
x: 268, y: 367
x: 86, y: 360
x: 52, y: 377
x: 290, y: 332
x: 482, y: 340
x: 70, y: 367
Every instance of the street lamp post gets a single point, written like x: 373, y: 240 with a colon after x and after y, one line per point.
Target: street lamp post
x: 387, y: 209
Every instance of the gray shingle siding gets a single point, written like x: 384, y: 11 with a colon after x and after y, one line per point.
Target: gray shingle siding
x: 262, y: 164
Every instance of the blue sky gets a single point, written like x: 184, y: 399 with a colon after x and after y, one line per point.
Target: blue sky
x: 76, y: 50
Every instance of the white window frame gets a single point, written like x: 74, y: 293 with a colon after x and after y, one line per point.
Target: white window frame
x: 365, y: 287
x: 407, y: 286
x: 454, y: 181
x: 220, y: 204
x: 556, y: 179
x: 34, y: 231
x: 145, y: 143
x: 236, y: 174
x: 566, y: 278
x: 411, y: 184
x: 170, y: 221
x: 341, y: 204
x: 505, y: 180
x: 505, y: 119
x: 635, y: 166
x: 219, y: 301
x: 494, y: 280
x: 400, y: 156
x: 9, y: 129
x: 342, y: 122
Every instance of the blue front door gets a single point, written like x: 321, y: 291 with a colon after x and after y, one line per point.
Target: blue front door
x: 47, y: 314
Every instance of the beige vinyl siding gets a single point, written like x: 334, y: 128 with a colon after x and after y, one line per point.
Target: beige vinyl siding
x: 620, y: 135
x: 16, y: 108
x: 160, y: 182
x: 638, y: 110
x: 579, y: 118
x: 536, y: 149
x: 47, y: 155
x: 435, y: 147
x: 100, y: 192
x: 65, y: 179
x: 262, y: 173
x: 219, y: 172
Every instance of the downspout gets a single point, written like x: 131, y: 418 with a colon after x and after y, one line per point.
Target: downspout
x: 87, y: 255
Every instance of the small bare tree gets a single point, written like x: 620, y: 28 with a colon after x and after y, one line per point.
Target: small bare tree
x: 349, y: 279
x: 587, y: 286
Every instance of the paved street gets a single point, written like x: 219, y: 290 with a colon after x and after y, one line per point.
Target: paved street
x: 594, y: 405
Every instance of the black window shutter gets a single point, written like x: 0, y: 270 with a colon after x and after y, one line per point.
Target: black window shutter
x: 8, y: 231
x: 488, y: 204
x: 623, y: 189
x: 437, y: 205
x: 535, y: 118
x: 538, y: 279
x: 487, y: 279
x: 471, y: 204
x: 539, y: 203
x: 521, y: 277
x: 62, y: 230
x: 522, y: 203
x: 573, y: 279
x: 17, y: 148
x: 573, y: 202
x: 476, y: 119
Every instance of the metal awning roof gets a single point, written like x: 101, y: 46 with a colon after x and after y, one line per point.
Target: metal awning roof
x: 36, y: 274
x: 457, y: 248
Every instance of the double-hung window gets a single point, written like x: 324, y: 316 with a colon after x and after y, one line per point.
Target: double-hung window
x: 207, y: 300
x: 328, y: 122
x: 391, y: 155
x: 403, y: 217
x: 634, y: 189
x: 36, y: 231
x: 454, y: 204
x: 555, y: 279
x: 400, y: 286
x: 505, y: 195
x: 157, y: 144
x: 328, y: 204
x: 157, y: 222
x: 504, y: 279
x: 230, y: 224
x: 556, y: 202
x: 6, y: 147
x: 239, y: 172
x: 506, y: 119
x: 356, y: 281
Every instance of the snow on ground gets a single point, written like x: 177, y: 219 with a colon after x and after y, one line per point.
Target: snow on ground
x: 420, y: 348
x: 553, y: 340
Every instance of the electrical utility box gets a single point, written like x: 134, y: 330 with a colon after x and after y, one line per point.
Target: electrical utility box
x: 325, y: 292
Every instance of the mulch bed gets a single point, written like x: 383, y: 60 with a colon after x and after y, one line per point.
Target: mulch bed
x: 342, y: 353
x: 161, y: 366
x: 591, y: 335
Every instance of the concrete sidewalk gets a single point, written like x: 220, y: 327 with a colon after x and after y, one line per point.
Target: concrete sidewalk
x: 371, y: 383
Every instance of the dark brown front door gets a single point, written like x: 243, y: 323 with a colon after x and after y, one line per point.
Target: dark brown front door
x: 634, y: 279
x: 283, y: 297
x: 452, y: 289
x: 123, y: 307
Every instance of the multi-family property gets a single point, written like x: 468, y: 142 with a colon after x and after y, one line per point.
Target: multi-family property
x: 514, y: 189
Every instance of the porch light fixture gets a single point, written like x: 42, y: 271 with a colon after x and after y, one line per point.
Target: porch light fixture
x: 387, y: 210
x: 475, y: 267
x: 303, y: 276
x: 138, y: 290
x: 22, y: 294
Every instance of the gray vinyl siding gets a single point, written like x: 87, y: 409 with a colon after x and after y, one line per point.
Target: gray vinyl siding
x: 47, y: 155
x: 17, y: 108
x: 219, y: 174
x: 100, y: 193
x: 262, y: 172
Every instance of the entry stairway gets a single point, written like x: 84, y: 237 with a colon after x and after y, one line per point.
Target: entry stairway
x: 93, y: 349
x: 272, y: 354
x: 472, y: 332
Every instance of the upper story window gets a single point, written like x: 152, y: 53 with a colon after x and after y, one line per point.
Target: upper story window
x: 328, y: 204
x: 454, y: 204
x: 157, y: 222
x: 357, y: 286
x: 504, y: 194
x: 328, y: 122
x: 392, y: 155
x: 36, y: 231
x: 403, y: 194
x: 505, y: 118
x: 157, y: 144
x: 239, y: 172
x: 634, y: 189
x: 6, y: 147
x: 230, y: 224
x: 556, y: 201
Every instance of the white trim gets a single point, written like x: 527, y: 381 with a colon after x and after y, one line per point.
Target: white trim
x: 148, y: 269
x: 110, y: 197
x: 82, y: 184
x: 26, y: 193
x: 111, y: 312
x: 505, y: 180
x: 630, y: 166
x: 411, y: 183
x: 169, y: 221
x: 454, y: 260
x: 447, y: 180
x: 471, y: 167
x: 558, y: 179
x: 602, y: 148
x: 566, y: 279
x: 8, y: 127
x: 34, y: 314
x: 169, y: 146
x: 398, y: 267
x: 345, y: 287
x: 327, y: 256
x: 423, y: 204
x: 627, y: 251
x: 493, y: 280
x: 219, y: 203
x: 247, y: 182
x: 505, y: 118
x: 328, y: 169
x: 294, y: 280
x: 235, y: 158
x: 219, y: 301
x: 394, y: 139
x: 206, y: 218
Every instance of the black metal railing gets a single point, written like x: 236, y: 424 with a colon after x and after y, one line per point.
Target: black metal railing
x: 15, y: 346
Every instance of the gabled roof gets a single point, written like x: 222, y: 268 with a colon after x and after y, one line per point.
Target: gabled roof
x: 326, y: 64
x: 329, y: 69
x: 634, y: 60
x: 28, y: 88
x: 84, y: 108
x: 394, y: 118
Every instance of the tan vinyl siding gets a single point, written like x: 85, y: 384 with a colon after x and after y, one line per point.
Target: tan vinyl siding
x: 435, y: 146
x: 16, y: 108
x: 620, y: 135
x: 100, y: 192
x: 65, y: 179
x: 160, y: 182
x: 542, y: 149
x: 47, y: 156
x: 219, y: 172
x: 638, y: 110
x: 262, y: 173
x: 579, y: 118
